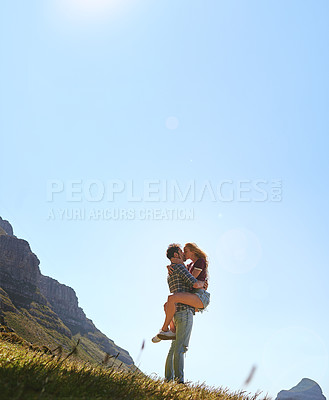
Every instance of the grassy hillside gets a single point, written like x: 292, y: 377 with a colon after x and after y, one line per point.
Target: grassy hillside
x: 33, y: 373
x: 38, y: 324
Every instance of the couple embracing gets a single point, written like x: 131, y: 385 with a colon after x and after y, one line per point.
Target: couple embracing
x: 188, y: 285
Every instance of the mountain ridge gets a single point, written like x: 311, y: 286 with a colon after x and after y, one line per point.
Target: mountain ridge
x: 42, y: 310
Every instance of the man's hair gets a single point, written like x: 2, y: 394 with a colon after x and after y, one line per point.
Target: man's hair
x: 172, y: 249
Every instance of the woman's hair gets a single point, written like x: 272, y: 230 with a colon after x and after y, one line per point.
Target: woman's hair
x: 198, y: 252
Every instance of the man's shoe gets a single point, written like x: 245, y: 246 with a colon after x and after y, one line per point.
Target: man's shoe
x: 156, y: 339
x: 166, y: 335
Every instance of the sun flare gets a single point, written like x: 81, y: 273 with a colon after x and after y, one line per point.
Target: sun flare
x: 90, y: 10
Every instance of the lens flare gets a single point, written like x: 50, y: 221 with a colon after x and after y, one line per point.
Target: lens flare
x: 88, y: 10
x: 238, y: 250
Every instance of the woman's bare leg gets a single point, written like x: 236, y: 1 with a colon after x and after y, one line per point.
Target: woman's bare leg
x: 171, y: 324
x: 182, y: 297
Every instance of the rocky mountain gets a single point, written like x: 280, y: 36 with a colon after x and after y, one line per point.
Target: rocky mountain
x: 42, y: 310
x: 5, y: 225
x: 307, y: 389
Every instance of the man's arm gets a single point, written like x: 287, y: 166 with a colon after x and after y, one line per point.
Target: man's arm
x: 188, y: 278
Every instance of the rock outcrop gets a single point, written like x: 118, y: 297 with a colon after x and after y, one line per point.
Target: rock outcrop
x: 50, y: 304
x: 19, y: 271
x: 64, y: 302
x: 5, y: 225
x: 18, y: 261
x: 307, y: 389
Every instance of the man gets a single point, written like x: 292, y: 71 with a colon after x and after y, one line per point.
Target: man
x: 180, y: 280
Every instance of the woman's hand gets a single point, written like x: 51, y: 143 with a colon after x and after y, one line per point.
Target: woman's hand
x: 198, y: 285
x: 201, y: 285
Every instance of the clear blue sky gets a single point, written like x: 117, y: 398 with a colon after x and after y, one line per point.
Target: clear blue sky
x: 166, y: 91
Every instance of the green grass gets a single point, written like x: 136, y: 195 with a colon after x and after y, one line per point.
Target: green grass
x: 27, y: 374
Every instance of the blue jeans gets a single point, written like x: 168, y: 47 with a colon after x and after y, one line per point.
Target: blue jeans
x: 175, y: 360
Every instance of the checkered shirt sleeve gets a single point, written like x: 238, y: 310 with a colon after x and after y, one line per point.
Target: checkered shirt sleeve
x: 180, y: 280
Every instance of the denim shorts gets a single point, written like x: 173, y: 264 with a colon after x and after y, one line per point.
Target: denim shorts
x: 204, y: 296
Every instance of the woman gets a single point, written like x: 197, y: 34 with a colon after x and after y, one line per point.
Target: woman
x: 197, y: 298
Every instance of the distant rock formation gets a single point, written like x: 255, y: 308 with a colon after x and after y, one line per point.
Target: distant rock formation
x: 65, y: 303
x: 5, y: 225
x: 43, y: 301
x: 305, y: 390
x: 18, y: 261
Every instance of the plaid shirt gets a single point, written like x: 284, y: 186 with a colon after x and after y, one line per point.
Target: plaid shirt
x: 180, y: 280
